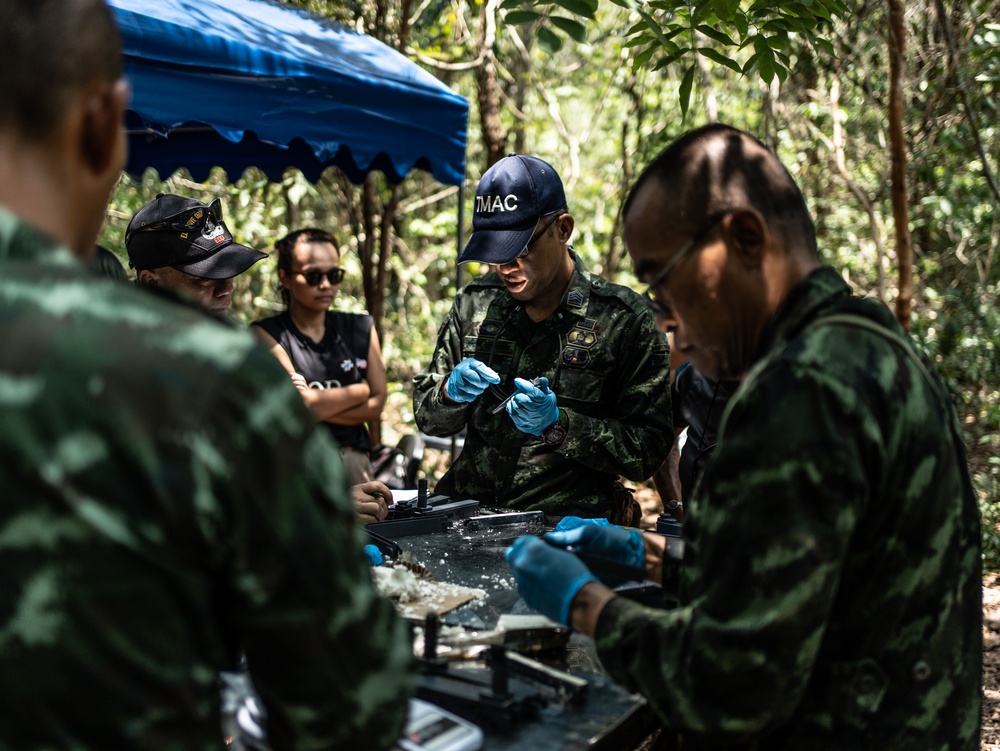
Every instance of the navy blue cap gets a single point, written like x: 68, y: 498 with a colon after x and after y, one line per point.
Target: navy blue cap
x: 511, y: 197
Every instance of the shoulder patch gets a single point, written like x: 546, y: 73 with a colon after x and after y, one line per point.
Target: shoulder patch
x: 575, y: 299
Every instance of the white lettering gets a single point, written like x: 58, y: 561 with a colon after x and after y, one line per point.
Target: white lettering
x: 332, y: 384
x: 491, y: 204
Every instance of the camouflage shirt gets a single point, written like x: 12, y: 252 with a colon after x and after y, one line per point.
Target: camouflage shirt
x: 167, y: 502
x: 830, y: 590
x: 609, y: 368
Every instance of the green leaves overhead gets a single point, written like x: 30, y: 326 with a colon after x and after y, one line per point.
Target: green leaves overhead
x: 543, y: 15
x: 742, y: 35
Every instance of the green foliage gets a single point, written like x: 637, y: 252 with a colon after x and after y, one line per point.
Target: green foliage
x: 959, y: 330
x: 602, y: 106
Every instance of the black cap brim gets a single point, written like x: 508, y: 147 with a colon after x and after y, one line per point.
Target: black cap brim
x: 228, y: 261
x: 497, y: 246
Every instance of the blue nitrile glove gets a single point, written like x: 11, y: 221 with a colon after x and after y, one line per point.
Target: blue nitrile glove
x: 533, y: 408
x: 611, y: 542
x: 469, y: 379
x: 547, y: 578
x: 374, y: 555
x: 572, y: 522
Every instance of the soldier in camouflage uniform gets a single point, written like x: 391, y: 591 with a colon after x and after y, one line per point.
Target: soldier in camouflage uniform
x: 167, y: 500
x: 830, y: 585
x: 605, y: 409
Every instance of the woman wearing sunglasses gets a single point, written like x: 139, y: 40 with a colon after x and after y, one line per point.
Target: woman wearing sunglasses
x: 334, y: 358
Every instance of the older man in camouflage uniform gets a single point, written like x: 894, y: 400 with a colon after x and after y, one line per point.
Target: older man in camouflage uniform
x: 830, y: 584
x: 602, y: 406
x: 166, y: 498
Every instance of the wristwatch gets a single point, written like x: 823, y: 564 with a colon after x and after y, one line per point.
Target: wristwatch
x: 555, y: 434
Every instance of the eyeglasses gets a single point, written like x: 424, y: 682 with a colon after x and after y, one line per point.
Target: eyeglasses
x: 538, y: 235
x: 699, y: 237
x: 189, y: 220
x: 315, y: 277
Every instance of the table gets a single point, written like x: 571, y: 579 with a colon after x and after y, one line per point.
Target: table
x: 611, y: 718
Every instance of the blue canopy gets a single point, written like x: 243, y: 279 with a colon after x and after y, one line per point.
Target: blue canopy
x: 239, y: 83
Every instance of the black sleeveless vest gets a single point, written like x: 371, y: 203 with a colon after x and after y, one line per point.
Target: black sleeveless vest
x: 340, y: 359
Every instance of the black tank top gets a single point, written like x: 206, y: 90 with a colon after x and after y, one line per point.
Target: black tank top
x: 340, y: 359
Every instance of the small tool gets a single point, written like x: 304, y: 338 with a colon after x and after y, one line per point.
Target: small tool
x: 534, y: 382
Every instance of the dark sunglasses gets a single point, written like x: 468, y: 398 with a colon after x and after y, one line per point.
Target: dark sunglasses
x: 189, y: 220
x: 315, y: 277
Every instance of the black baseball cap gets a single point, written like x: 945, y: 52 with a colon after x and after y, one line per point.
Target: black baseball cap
x: 187, y: 235
x: 511, y: 197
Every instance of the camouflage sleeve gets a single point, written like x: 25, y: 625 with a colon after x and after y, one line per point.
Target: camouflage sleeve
x: 633, y: 440
x: 330, y: 658
x: 767, y: 533
x: 431, y: 412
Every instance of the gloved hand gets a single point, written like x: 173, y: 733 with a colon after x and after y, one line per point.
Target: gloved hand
x: 611, y: 542
x: 374, y: 555
x: 469, y: 379
x: 547, y: 578
x: 533, y: 408
x: 572, y: 522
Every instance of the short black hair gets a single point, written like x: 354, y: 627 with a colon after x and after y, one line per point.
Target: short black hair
x: 51, y: 50
x: 743, y: 173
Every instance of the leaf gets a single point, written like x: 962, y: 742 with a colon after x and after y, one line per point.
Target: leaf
x: 573, y: 29
x: 721, y: 59
x: 511, y: 4
x: 622, y: 3
x: 522, y: 16
x: 653, y: 25
x: 640, y: 40
x: 643, y: 57
x: 684, y: 93
x: 824, y: 45
x: 717, y: 35
x: 742, y: 24
x: 585, y: 8
x: 549, y: 41
x: 750, y: 63
x: 669, y: 59
x: 782, y: 72
x: 765, y: 59
x: 721, y: 10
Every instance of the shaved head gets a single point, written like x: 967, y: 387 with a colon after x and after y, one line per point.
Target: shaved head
x: 51, y: 50
x: 716, y: 169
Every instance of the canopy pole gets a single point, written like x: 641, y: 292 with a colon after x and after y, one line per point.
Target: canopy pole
x: 460, y: 240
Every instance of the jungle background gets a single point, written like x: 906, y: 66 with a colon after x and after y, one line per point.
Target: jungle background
x: 886, y: 116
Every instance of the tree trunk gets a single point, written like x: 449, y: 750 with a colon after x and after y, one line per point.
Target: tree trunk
x: 488, y: 95
x: 897, y: 145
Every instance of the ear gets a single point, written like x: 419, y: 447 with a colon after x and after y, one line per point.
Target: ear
x: 283, y: 278
x: 101, y: 138
x: 564, y: 228
x: 148, y: 278
x: 748, y: 236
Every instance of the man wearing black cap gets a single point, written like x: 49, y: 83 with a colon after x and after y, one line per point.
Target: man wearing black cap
x: 182, y: 245
x: 559, y: 376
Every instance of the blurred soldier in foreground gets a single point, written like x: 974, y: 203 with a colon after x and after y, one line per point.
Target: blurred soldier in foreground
x: 600, y: 406
x: 167, y: 500
x: 830, y: 586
